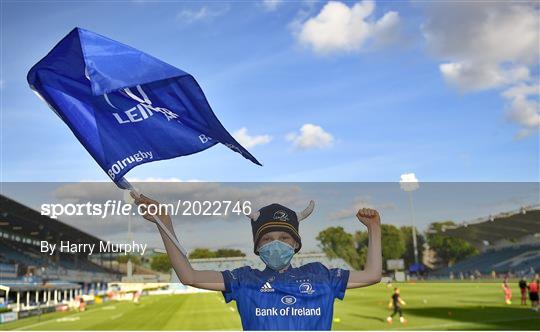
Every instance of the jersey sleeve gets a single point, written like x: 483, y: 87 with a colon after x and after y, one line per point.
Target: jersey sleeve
x: 233, y: 281
x: 336, y: 278
x: 338, y: 281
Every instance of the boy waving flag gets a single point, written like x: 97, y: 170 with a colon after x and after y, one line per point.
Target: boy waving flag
x: 281, y: 297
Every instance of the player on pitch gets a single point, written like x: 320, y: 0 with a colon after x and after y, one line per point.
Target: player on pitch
x: 395, y: 304
x: 281, y: 297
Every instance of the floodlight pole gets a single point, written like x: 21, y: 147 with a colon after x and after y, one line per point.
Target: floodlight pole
x: 415, y: 243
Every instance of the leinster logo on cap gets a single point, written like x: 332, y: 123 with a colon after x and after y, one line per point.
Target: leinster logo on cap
x: 281, y: 215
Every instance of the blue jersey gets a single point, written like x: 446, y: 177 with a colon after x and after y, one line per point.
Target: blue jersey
x: 297, y: 299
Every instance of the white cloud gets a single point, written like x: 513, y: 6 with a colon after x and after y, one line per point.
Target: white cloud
x: 311, y: 137
x: 2, y: 84
x: 469, y: 76
x: 247, y: 141
x: 358, y: 203
x: 408, y: 182
x: 486, y: 45
x: 203, y: 13
x: 272, y: 4
x: 339, y: 28
x: 524, y: 107
x: 486, y: 32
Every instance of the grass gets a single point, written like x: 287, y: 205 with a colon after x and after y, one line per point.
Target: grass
x: 430, y: 306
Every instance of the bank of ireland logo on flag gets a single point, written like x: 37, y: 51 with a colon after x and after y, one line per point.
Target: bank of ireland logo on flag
x: 126, y: 107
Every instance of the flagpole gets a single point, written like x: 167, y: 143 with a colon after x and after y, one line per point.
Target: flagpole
x: 159, y: 223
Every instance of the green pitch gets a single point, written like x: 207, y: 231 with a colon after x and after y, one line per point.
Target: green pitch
x: 430, y: 306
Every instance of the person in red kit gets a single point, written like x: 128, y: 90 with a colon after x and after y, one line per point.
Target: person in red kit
x: 533, y: 292
x: 507, y: 291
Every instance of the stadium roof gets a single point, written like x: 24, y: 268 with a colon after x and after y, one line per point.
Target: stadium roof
x: 507, y: 226
x: 20, y: 286
x: 18, y: 219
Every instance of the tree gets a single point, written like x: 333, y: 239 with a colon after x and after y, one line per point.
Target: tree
x: 161, y: 263
x: 202, y: 253
x: 408, y: 256
x: 125, y: 258
x: 208, y: 253
x: 229, y: 253
x: 455, y: 249
x: 336, y: 243
x: 393, y: 244
x: 449, y: 249
x: 362, y: 241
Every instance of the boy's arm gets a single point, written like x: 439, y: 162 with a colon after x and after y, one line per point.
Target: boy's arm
x: 211, y: 280
x: 373, y: 268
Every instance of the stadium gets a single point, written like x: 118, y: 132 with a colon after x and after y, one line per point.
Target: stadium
x: 509, y: 243
x: 44, y: 292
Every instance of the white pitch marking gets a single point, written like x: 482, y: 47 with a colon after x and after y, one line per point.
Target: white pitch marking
x: 117, y: 316
x: 67, y: 319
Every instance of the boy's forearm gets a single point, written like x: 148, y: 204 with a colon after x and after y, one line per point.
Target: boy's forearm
x: 373, y: 268
x: 179, y: 261
x: 374, y: 255
x: 211, y: 280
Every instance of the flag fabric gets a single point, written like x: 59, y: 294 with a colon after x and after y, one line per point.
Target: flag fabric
x: 126, y: 107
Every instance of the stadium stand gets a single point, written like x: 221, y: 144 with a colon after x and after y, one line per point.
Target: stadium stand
x: 509, y: 243
x: 32, y: 282
x: 8, y: 271
x: 26, y: 272
x: 22, y: 229
x: 518, y: 260
x: 509, y: 227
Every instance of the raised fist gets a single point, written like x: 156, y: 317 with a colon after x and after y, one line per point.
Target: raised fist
x: 368, y: 217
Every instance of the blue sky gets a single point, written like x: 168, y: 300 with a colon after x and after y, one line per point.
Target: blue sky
x: 379, y: 100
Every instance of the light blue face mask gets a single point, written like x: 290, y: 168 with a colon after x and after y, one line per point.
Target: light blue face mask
x: 276, y: 254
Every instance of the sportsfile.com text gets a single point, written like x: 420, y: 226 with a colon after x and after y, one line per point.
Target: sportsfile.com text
x: 120, y: 208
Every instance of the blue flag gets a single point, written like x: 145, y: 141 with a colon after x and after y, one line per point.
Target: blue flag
x: 126, y: 107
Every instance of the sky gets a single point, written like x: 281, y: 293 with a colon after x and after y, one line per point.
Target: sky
x: 316, y: 90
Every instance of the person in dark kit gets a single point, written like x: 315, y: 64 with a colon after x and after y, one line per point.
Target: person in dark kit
x: 523, y: 288
x: 396, y: 302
